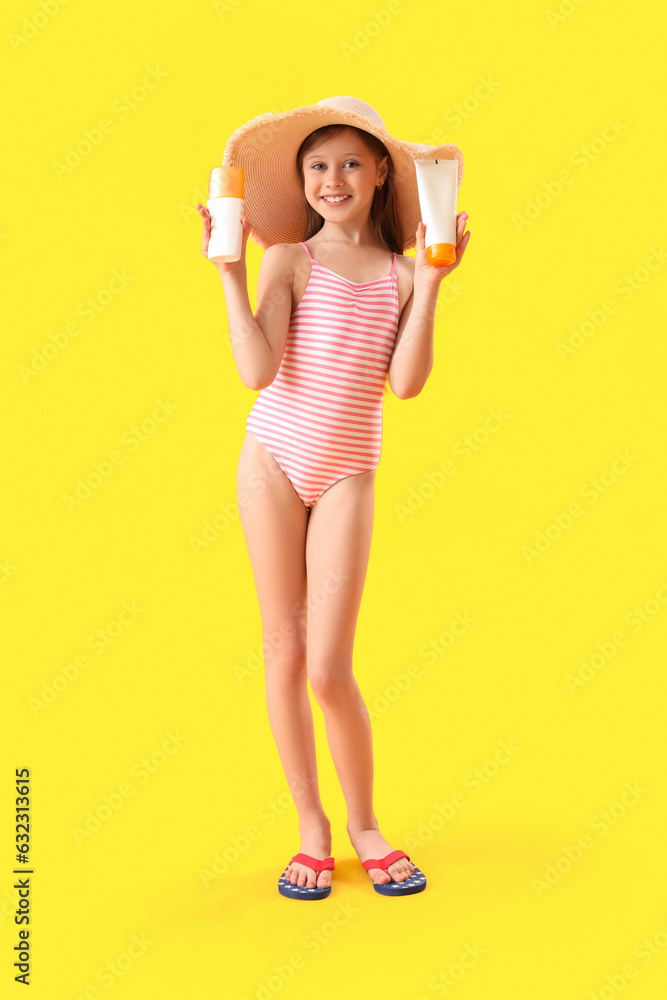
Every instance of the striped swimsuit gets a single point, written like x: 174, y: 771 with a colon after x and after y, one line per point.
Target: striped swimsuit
x: 321, y: 417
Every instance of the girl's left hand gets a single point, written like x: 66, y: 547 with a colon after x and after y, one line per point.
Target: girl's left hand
x: 425, y: 272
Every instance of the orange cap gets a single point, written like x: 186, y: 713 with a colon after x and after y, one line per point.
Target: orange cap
x: 226, y: 182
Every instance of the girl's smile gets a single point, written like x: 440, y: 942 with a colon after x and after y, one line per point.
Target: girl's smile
x: 336, y: 199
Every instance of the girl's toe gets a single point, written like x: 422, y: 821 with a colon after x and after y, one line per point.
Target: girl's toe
x: 381, y: 877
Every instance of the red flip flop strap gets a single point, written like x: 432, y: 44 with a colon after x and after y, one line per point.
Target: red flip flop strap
x: 384, y: 863
x: 318, y: 864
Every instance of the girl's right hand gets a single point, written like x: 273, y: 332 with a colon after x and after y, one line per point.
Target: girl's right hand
x: 206, y: 236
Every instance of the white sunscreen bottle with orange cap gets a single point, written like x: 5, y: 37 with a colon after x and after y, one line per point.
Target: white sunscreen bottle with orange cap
x: 225, y: 203
x: 437, y: 188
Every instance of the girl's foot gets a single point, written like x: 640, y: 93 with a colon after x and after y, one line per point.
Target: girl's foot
x: 315, y: 841
x: 369, y: 843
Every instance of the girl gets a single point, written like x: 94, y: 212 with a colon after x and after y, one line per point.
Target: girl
x: 320, y: 346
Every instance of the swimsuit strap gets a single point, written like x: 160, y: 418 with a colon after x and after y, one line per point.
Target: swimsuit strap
x: 307, y: 250
x: 393, y: 267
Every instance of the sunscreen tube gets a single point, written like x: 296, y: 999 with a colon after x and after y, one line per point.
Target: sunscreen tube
x: 225, y: 203
x: 437, y: 188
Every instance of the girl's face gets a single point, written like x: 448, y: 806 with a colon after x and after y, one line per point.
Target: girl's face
x: 342, y: 166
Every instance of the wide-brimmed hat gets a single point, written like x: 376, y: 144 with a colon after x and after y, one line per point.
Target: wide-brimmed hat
x: 266, y: 147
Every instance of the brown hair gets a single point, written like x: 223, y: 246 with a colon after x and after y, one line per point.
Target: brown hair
x: 384, y: 207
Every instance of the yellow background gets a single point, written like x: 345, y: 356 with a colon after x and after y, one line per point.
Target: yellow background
x: 129, y: 908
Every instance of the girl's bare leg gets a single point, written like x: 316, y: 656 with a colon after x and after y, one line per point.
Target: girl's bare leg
x: 338, y: 543
x: 274, y: 522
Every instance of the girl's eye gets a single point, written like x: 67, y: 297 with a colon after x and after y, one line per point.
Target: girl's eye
x: 346, y: 162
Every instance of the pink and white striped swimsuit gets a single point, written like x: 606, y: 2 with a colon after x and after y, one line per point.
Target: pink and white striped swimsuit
x: 321, y: 417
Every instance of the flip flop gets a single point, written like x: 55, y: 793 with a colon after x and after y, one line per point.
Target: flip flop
x: 415, y: 883
x: 285, y: 887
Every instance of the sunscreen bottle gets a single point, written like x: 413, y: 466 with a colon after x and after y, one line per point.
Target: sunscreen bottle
x: 225, y: 203
x: 437, y: 188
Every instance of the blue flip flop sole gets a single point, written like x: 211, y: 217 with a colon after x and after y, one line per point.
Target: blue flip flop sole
x: 285, y: 888
x: 416, y: 883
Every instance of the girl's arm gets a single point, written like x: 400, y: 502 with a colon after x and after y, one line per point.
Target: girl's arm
x: 412, y: 357
x: 258, y: 342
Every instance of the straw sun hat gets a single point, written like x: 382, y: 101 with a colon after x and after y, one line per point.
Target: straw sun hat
x: 266, y: 147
